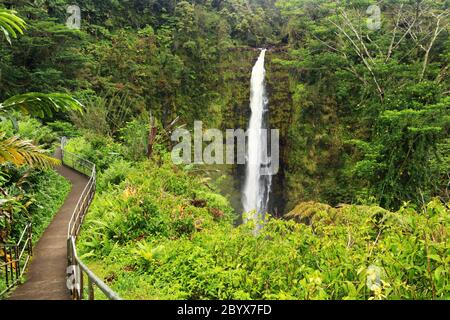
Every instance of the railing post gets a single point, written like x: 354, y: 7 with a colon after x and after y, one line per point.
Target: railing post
x: 11, y: 265
x: 16, y: 261
x: 6, y: 266
x: 81, y: 284
x: 69, y: 252
x: 90, y: 289
x: 63, y: 142
x: 30, y: 237
x: 69, y: 264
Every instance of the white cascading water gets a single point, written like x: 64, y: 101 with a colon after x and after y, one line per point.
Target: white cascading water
x: 257, y: 186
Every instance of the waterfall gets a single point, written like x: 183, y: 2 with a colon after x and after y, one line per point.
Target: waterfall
x: 257, y: 186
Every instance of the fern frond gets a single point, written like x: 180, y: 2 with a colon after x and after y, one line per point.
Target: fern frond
x: 22, y: 152
x: 41, y: 104
x: 11, y: 24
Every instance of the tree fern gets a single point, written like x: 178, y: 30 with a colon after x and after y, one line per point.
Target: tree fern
x: 13, y: 149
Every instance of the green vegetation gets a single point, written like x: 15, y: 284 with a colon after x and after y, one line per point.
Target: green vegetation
x: 363, y: 113
x: 39, y: 194
x: 12, y: 149
x: 29, y: 194
x: 370, y: 107
x: 51, y: 192
x: 158, y: 233
x: 342, y: 94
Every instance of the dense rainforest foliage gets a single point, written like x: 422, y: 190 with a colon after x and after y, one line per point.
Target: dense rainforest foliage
x: 344, y: 96
x: 158, y: 232
x: 363, y: 113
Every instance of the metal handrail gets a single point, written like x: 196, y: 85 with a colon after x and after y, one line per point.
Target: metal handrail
x: 92, y: 278
x: 76, y: 268
x: 89, y: 191
x: 13, y: 254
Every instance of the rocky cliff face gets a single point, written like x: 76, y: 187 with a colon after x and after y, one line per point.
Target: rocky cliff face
x: 310, y: 133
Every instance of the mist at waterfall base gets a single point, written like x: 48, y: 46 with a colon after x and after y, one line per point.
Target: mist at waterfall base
x: 256, y: 191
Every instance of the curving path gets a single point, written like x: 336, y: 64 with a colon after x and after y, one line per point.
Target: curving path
x: 46, y: 276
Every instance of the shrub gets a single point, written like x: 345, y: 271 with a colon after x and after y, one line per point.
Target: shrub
x: 102, y: 151
x: 38, y: 196
x: 114, y: 175
x: 339, y: 255
x: 63, y: 129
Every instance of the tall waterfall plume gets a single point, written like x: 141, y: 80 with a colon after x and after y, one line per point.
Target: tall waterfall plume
x: 257, y: 186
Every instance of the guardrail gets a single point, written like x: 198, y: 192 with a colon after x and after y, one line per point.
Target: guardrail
x: 76, y: 268
x: 16, y: 258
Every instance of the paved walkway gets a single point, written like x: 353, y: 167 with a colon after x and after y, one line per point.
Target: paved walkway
x: 46, y: 276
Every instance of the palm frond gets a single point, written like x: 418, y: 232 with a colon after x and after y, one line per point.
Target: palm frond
x: 22, y: 152
x: 11, y: 24
x: 41, y: 104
